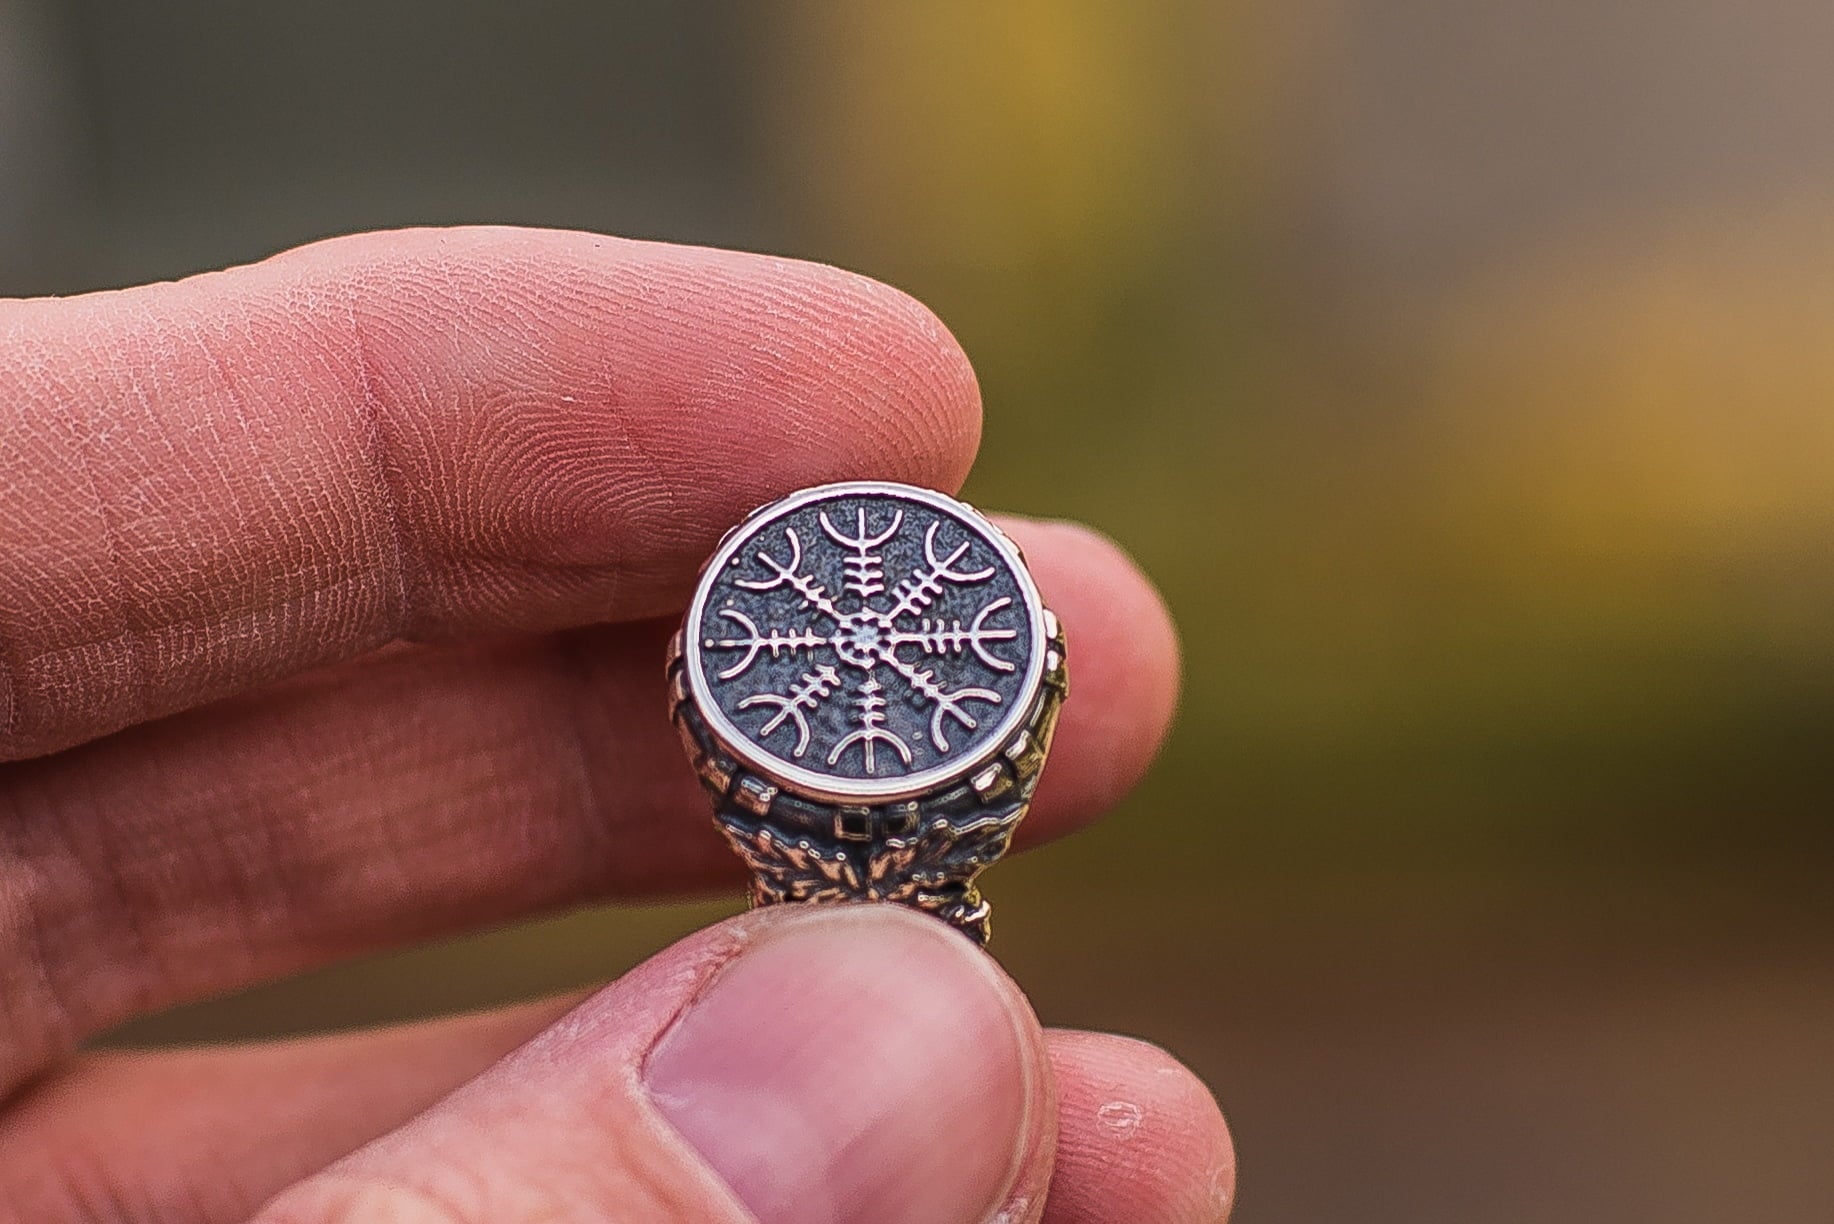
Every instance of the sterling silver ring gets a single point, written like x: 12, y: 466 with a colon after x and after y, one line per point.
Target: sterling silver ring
x: 867, y: 682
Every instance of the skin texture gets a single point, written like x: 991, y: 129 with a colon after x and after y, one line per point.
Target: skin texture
x: 331, y: 599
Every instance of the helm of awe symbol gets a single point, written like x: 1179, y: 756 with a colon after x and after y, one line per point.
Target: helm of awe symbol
x: 867, y: 635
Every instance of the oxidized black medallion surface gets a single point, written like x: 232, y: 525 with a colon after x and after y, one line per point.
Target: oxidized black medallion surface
x: 866, y: 641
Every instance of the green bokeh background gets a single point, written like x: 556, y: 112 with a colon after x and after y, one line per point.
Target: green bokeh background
x: 1463, y: 375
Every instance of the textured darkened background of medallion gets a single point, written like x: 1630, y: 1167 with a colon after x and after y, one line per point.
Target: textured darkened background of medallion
x: 906, y: 713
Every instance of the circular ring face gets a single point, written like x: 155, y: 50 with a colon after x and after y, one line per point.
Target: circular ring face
x: 865, y: 641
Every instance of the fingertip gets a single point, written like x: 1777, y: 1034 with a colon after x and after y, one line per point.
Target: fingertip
x: 1140, y: 1138
x: 826, y: 374
x: 1124, y: 668
x: 905, y: 1012
x: 634, y: 399
x: 917, y: 399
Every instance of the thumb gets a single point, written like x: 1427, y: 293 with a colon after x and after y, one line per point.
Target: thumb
x: 862, y: 1063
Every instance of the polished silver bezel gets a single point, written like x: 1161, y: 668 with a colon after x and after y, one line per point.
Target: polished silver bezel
x: 822, y: 786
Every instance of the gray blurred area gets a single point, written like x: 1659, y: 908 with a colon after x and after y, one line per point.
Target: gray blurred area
x: 1462, y: 373
x: 181, y: 136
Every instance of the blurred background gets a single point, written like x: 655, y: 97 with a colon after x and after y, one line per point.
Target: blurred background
x: 1464, y: 373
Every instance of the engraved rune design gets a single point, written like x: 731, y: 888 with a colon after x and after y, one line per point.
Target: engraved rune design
x: 866, y: 635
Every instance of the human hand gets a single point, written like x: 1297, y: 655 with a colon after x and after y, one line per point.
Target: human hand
x: 333, y: 593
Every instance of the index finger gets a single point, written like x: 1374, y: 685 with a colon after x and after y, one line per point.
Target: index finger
x: 430, y: 433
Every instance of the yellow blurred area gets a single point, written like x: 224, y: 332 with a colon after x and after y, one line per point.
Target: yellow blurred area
x: 1056, y: 119
x: 1463, y: 373
x: 1659, y: 395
